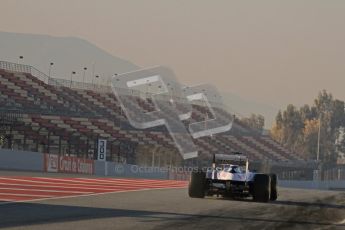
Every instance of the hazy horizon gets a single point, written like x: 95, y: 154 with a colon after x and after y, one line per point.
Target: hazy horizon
x: 270, y: 52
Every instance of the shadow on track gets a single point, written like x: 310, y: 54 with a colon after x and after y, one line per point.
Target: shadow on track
x: 309, y: 204
x: 289, y: 202
x: 23, y: 214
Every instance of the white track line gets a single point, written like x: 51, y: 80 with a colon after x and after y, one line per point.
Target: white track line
x: 92, y: 181
x: 28, y: 195
x: 62, y: 182
x: 89, y: 186
x: 59, y: 186
x: 130, y: 179
x: 134, y: 185
x: 44, y: 190
x: 51, y: 180
x: 111, y: 180
x: 86, y: 195
x: 6, y: 200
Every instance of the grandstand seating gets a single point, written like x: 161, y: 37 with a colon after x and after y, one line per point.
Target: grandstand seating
x: 59, y: 119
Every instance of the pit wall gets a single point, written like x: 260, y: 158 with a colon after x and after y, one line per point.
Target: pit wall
x: 41, y: 162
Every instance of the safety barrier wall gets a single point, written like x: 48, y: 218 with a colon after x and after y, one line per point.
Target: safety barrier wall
x: 66, y: 164
x: 125, y: 170
x: 313, y: 184
x: 34, y: 161
x: 21, y: 160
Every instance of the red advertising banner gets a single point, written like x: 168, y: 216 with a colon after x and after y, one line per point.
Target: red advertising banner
x: 65, y: 164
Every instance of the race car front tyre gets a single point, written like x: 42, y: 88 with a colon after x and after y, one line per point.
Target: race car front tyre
x: 261, y: 188
x: 196, y: 188
x: 274, y: 190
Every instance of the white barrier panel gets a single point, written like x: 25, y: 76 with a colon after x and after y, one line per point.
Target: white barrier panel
x: 307, y: 184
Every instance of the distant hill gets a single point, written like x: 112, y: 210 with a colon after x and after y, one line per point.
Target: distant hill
x: 67, y: 53
x: 245, y: 108
x: 73, y: 54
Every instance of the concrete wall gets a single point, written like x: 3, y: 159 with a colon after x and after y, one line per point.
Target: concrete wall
x: 125, y: 170
x: 33, y: 161
x: 20, y: 160
x: 308, y: 184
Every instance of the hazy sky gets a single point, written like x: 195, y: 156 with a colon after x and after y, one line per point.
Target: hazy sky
x: 273, y: 52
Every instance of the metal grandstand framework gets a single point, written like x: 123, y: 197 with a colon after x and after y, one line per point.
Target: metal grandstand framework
x: 15, y: 67
x: 10, y: 118
x: 54, y: 138
x: 58, y: 82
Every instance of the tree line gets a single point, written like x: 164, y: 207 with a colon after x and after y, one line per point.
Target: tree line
x: 301, y: 129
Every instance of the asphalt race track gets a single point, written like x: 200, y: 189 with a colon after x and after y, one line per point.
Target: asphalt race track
x: 60, y: 202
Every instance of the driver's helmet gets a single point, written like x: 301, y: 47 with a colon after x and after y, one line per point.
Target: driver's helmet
x: 235, y: 169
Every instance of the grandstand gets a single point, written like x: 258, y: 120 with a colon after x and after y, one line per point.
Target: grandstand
x: 43, y: 114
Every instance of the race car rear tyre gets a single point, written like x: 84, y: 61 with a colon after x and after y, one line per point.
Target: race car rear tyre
x: 196, y: 188
x: 261, y: 188
x: 274, y: 190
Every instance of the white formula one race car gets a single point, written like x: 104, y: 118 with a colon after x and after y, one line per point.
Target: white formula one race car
x: 230, y: 177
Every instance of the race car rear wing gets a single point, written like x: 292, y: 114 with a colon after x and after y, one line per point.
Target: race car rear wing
x: 236, y: 159
x: 230, y: 157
